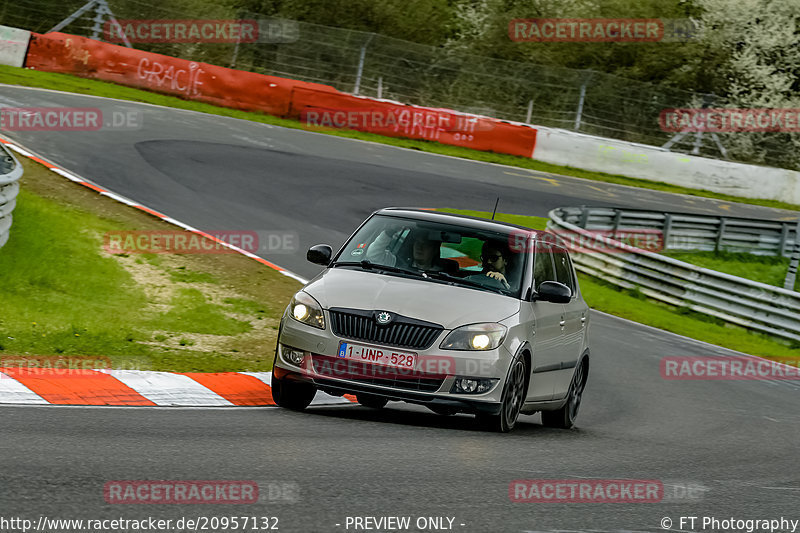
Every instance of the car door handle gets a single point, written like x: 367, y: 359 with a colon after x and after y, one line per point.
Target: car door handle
x: 562, y: 323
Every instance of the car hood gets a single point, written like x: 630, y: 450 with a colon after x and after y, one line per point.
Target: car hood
x: 447, y: 305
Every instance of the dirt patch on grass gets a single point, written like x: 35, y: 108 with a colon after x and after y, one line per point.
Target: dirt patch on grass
x: 233, y: 287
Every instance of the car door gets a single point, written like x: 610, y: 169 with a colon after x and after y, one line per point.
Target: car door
x: 575, y: 317
x: 547, y: 337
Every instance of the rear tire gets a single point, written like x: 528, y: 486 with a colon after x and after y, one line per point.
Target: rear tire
x: 564, y: 418
x: 292, y: 395
x: 372, y: 401
x: 513, y: 398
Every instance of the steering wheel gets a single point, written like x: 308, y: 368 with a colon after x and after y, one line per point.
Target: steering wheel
x: 486, y: 280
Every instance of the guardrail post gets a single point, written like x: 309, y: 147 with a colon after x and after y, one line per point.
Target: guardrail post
x: 617, y: 218
x: 720, y: 234
x: 584, y: 216
x: 784, y: 238
x: 791, y: 273
x: 667, y: 228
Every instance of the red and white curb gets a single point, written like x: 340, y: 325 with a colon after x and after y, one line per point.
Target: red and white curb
x: 143, y: 388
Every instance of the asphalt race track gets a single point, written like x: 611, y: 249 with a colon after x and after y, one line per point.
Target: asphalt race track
x: 733, y: 444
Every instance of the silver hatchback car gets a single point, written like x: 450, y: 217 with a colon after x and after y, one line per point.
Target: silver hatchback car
x: 455, y: 313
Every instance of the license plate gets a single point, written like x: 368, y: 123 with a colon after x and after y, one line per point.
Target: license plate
x: 376, y: 355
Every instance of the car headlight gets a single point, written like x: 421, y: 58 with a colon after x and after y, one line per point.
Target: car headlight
x: 307, y: 310
x: 486, y: 336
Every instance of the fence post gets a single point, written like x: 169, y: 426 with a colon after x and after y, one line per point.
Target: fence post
x: 361, y: 57
x: 579, y: 113
x: 582, y: 99
x: 380, y: 86
x: 530, y: 112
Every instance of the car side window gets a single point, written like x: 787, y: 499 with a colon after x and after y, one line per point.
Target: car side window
x: 563, y: 270
x: 543, y: 265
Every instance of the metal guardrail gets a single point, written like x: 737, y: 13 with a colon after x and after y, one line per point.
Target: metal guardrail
x: 747, y: 303
x: 10, y: 172
x: 682, y: 231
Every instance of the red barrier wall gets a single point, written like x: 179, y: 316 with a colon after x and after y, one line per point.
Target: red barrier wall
x: 326, y: 109
x: 59, y: 52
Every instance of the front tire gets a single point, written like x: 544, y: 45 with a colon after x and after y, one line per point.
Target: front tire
x: 292, y: 395
x: 564, y: 418
x: 513, y: 398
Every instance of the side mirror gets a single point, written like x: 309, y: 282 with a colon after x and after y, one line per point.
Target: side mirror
x: 553, y: 291
x: 320, y: 254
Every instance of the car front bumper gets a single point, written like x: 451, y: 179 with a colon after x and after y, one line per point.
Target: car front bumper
x: 327, y: 372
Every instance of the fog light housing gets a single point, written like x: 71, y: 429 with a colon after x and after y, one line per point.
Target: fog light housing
x: 472, y: 385
x: 292, y: 356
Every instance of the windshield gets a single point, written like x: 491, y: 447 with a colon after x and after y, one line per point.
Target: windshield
x: 436, y: 252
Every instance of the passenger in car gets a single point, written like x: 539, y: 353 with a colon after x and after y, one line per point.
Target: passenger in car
x: 426, y: 255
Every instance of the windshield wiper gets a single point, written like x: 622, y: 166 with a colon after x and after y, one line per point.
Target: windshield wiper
x: 368, y: 265
x: 438, y: 274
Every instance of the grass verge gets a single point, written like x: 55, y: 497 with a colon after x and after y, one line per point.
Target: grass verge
x: 63, y: 294
x: 765, y: 269
x: 635, y: 306
x: 67, y: 83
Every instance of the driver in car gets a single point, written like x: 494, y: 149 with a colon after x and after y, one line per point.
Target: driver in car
x: 494, y: 257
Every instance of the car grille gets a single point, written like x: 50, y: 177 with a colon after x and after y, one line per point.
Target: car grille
x: 371, y: 374
x: 402, y: 332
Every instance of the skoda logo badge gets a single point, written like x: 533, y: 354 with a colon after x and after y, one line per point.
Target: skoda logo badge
x: 383, y: 318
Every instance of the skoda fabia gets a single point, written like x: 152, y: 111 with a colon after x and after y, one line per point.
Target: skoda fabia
x: 455, y: 313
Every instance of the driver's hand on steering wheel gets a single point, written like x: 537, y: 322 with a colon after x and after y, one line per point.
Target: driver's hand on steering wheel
x: 499, y: 277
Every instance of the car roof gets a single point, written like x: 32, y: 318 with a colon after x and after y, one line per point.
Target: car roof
x: 465, y: 220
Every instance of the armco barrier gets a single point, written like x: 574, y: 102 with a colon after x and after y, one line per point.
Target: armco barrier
x: 681, y: 231
x: 10, y: 172
x: 754, y: 305
x: 80, y: 56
